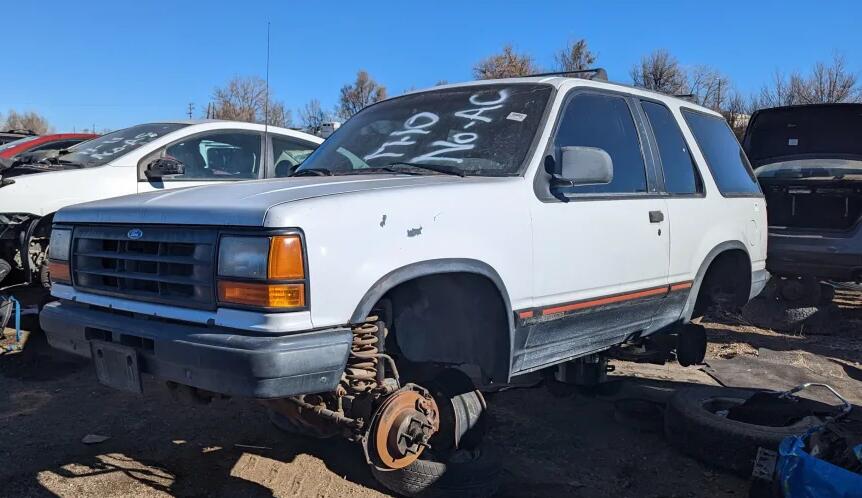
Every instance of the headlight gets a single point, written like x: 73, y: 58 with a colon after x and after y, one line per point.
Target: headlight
x: 243, y: 257
x: 262, y: 272
x: 61, y: 243
x: 58, y: 256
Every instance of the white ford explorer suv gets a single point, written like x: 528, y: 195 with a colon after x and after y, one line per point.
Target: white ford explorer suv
x: 439, y: 240
x: 143, y: 158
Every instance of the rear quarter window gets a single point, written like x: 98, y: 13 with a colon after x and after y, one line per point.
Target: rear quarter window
x: 724, y: 156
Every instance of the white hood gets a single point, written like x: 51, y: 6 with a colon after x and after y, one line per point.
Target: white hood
x: 235, y: 204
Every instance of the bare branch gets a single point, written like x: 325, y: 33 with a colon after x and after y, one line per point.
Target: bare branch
x: 362, y: 93
x: 27, y: 121
x: 245, y: 99
x: 575, y: 57
x: 660, y: 71
x: 506, y: 64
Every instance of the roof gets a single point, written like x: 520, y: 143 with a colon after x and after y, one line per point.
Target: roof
x: 239, y: 124
x: 566, y: 82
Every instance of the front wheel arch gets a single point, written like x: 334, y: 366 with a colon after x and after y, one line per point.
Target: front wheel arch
x: 484, y: 332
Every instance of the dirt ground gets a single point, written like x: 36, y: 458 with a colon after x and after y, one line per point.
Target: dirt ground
x: 560, y: 443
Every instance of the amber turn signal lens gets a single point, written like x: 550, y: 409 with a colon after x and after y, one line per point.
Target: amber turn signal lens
x: 285, y: 258
x: 59, y: 272
x: 262, y: 295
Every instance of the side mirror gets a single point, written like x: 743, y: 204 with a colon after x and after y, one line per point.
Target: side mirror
x: 164, y: 166
x: 584, y: 166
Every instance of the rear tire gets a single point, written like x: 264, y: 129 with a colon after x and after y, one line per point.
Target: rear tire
x: 466, y: 474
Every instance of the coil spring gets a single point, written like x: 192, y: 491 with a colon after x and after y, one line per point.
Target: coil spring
x: 360, y: 376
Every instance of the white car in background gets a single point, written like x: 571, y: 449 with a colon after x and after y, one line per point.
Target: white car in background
x: 143, y: 158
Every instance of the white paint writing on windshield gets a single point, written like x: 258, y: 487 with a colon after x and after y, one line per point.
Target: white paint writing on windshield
x: 423, y: 123
x: 113, y: 146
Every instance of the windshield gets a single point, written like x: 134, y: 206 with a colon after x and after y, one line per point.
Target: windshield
x: 15, y: 143
x: 477, y: 130
x: 810, y: 168
x: 104, y: 149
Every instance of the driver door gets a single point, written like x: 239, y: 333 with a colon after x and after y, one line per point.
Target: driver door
x: 209, y: 157
x: 601, y: 253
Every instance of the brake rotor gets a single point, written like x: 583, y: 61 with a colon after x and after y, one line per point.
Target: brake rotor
x: 402, y: 427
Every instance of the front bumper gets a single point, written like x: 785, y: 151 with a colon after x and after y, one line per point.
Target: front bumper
x: 821, y: 255
x: 224, y: 361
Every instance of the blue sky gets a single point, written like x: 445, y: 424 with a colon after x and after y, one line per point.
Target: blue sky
x: 119, y: 63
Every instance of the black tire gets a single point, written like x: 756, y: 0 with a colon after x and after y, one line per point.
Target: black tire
x: 827, y: 294
x: 467, y: 474
x: 800, y: 292
x: 691, y: 344
x: 294, y: 427
x: 778, y: 315
x: 711, y: 438
x: 6, y: 309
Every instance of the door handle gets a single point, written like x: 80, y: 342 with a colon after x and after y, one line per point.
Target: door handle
x: 656, y: 216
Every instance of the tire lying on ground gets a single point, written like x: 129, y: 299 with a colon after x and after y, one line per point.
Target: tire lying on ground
x: 467, y: 474
x: 693, y: 426
x: 777, y: 315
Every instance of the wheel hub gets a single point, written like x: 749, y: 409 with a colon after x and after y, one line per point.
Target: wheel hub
x: 402, y: 427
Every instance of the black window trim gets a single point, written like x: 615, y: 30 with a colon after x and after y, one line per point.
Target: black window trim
x: 541, y: 180
x: 269, y: 170
x: 161, y: 151
x: 727, y: 195
x: 659, y: 166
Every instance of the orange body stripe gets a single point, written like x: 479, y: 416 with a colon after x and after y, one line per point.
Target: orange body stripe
x: 605, y: 300
x: 680, y: 286
x: 526, y: 314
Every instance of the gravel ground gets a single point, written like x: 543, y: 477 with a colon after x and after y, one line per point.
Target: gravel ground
x: 555, y: 442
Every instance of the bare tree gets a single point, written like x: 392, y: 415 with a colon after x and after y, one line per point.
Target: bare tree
x: 709, y: 87
x: 506, y: 64
x: 313, y: 115
x: 27, y: 121
x: 575, y: 57
x: 826, y: 83
x: 245, y: 99
x: 362, y: 93
x: 830, y: 83
x: 781, y: 91
x: 660, y: 71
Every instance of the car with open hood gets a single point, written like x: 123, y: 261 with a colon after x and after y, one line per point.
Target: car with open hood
x: 808, y: 160
x: 443, y: 239
x: 152, y: 157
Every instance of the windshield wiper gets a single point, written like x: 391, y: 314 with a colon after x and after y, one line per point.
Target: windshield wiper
x: 311, y: 172
x: 446, y: 170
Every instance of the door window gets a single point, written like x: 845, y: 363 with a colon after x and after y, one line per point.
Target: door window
x: 680, y: 171
x: 289, y: 153
x: 605, y: 122
x: 217, y: 156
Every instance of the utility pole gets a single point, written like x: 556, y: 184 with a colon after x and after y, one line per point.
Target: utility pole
x: 191, y: 109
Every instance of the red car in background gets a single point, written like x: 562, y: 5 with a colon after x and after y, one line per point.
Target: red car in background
x: 43, y: 142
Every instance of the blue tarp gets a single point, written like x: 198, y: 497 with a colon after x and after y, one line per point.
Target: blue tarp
x: 804, y: 476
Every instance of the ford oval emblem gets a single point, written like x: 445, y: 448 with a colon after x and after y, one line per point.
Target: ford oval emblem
x: 135, y: 234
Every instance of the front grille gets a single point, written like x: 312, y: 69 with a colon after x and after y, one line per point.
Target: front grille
x: 163, y: 265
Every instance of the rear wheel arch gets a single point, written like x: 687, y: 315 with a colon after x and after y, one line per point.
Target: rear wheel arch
x: 449, y: 311
x: 732, y: 252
